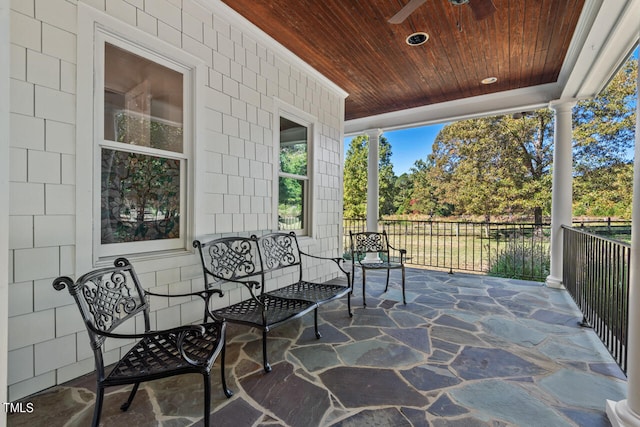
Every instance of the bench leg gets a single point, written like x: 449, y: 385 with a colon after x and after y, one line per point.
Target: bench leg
x: 315, y: 323
x: 267, y: 367
x: 126, y: 404
x: 349, y: 302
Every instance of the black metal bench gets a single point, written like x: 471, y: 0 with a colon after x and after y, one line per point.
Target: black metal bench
x: 247, y: 261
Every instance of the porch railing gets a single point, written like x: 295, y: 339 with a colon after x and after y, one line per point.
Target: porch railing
x: 596, y: 274
x: 501, y: 249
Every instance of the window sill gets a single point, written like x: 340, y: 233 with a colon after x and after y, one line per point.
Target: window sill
x: 144, y: 257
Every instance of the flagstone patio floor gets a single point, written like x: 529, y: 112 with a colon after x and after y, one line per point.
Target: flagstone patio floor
x: 466, y: 350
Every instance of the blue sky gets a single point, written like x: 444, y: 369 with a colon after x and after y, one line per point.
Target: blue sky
x: 407, y: 145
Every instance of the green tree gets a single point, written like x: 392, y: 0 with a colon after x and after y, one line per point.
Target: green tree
x: 424, y: 199
x: 603, y: 127
x: 604, y: 192
x: 603, y: 140
x: 355, y: 178
x: 492, y: 166
x: 403, y: 194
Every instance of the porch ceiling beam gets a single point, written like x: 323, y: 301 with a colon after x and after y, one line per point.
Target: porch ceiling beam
x: 486, y: 105
x: 610, y: 31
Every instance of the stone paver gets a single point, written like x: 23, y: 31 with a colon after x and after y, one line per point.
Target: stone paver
x: 466, y: 351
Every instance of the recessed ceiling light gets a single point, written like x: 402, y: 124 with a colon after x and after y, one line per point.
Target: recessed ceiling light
x: 489, y: 80
x: 416, y: 39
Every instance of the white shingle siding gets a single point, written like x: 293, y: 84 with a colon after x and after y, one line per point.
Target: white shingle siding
x: 122, y: 10
x: 18, y: 162
x: 58, y: 43
x: 55, y: 353
x: 21, y: 362
x: 22, y: 98
x: 21, y: 240
x: 243, y: 78
x: 59, y: 199
x: 27, y: 132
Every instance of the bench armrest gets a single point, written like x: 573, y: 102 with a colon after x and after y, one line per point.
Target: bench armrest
x: 337, y: 260
x: 204, y: 294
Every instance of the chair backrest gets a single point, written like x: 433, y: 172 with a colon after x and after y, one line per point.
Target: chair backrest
x: 369, y: 242
x: 280, y: 250
x: 107, y: 297
x: 230, y: 258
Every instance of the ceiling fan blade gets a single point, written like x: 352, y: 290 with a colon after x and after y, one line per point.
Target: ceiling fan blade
x: 405, y: 11
x: 482, y: 8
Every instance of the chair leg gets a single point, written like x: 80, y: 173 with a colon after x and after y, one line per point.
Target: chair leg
x: 265, y: 363
x: 315, y: 323
x: 207, y: 399
x: 225, y: 389
x: 349, y: 302
x: 388, y: 273
x: 126, y: 404
x: 404, y: 298
x: 364, y: 277
x: 98, y: 406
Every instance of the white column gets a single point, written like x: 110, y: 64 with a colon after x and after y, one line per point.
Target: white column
x: 373, y: 185
x: 561, y: 191
x: 372, y: 179
x: 627, y: 412
x: 4, y: 203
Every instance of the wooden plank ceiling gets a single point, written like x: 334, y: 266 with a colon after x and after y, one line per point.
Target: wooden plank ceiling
x: 522, y: 44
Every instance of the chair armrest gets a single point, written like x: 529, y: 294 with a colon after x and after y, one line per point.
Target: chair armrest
x: 403, y: 253
x: 176, y: 335
x: 176, y: 330
x: 205, y: 294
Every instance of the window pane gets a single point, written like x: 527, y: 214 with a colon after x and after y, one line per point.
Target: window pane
x: 140, y: 197
x: 291, y: 204
x: 142, y: 101
x: 293, y: 147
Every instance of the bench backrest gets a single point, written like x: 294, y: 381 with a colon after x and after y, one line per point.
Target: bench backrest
x: 230, y: 259
x: 280, y: 250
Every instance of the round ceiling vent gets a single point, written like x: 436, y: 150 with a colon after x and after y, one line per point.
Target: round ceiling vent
x: 489, y: 80
x: 458, y: 2
x: 416, y: 39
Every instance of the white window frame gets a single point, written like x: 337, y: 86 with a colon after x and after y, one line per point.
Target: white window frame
x: 296, y: 115
x: 96, y: 28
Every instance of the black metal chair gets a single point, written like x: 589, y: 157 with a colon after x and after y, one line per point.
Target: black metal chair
x: 109, y: 297
x: 369, y: 242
